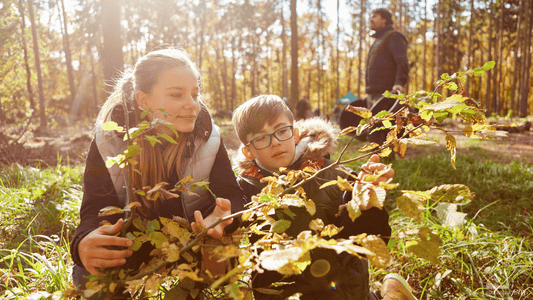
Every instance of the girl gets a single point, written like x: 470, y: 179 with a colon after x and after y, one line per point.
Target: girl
x: 166, y: 84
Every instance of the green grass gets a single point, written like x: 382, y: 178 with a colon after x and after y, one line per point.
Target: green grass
x: 494, y: 248
x: 39, y: 210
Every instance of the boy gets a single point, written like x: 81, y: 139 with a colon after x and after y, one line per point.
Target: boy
x: 265, y: 126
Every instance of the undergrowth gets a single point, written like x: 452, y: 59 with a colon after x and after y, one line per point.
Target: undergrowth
x: 490, y: 257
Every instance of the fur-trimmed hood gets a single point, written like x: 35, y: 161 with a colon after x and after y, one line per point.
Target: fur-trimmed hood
x: 317, y: 139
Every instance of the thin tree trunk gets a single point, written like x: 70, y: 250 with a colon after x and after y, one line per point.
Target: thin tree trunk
x: 42, y: 106
x: 284, y: 77
x: 360, y: 58
x: 113, y: 57
x: 500, y: 80
x: 495, y: 81
x: 526, y: 59
x: 489, y: 73
x: 294, y: 55
x: 469, y: 55
x: 518, y: 40
x: 25, y: 50
x: 93, y: 76
x: 68, y: 55
x: 337, y: 96
x: 437, y: 43
x: 425, y: 45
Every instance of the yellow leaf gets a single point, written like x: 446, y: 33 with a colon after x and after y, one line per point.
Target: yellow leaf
x: 330, y: 230
x: 273, y: 260
x: 172, y: 253
x: 363, y: 112
x: 343, y: 184
x: 411, y: 205
x: 427, y: 247
x: 310, y: 207
x: 385, y: 152
x: 329, y: 183
x: 377, y: 246
x: 377, y: 196
x: 316, y: 224
x: 353, y: 210
x: 453, y: 193
x: 368, y: 147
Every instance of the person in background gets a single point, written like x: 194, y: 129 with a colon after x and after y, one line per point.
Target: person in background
x: 303, y: 109
x: 387, y: 66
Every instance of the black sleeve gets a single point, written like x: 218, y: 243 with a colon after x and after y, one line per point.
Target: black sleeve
x: 398, y: 47
x: 98, y: 192
x: 374, y: 221
x: 223, y: 183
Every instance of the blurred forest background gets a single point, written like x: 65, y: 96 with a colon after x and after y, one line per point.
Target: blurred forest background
x: 58, y: 57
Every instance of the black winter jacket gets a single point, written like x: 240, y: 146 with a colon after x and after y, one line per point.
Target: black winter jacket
x: 387, y: 64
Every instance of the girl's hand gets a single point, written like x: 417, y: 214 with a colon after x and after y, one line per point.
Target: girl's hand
x: 222, y: 210
x: 373, y: 166
x: 94, y: 249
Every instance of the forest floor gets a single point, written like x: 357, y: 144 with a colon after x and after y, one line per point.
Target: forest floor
x: 71, y: 144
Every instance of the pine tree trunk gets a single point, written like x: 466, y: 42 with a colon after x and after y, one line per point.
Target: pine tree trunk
x: 42, y: 105
x: 337, y: 91
x: 516, y: 71
x: 361, y: 56
x: 489, y: 73
x: 113, y: 58
x: 437, y: 43
x: 423, y: 87
x: 68, y: 55
x: 284, y: 77
x: 294, y: 55
x: 25, y: 50
x: 469, y: 55
x: 526, y: 60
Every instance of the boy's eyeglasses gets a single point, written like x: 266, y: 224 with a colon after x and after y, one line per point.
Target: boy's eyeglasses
x: 263, y: 141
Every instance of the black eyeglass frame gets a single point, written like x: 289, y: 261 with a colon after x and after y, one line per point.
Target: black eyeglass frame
x: 251, y: 142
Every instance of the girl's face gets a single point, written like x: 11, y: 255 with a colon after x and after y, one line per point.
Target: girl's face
x: 177, y: 93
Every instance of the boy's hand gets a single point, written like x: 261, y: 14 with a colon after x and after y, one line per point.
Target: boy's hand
x: 373, y: 166
x: 222, y: 210
x: 94, y: 249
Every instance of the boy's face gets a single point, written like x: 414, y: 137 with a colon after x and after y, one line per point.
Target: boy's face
x: 278, y: 153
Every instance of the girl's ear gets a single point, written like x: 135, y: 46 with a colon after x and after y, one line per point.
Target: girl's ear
x: 141, y: 97
x: 247, y: 153
x: 296, y: 135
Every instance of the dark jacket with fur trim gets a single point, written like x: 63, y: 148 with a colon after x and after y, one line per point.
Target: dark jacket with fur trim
x: 348, y: 273
x: 101, y: 188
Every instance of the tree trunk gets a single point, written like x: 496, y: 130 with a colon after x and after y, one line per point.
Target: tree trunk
x: 437, y: 42
x: 284, y: 77
x: 337, y: 96
x: 469, y: 55
x: 93, y: 76
x: 495, y: 82
x: 500, y: 81
x: 425, y: 45
x: 25, y: 50
x: 489, y: 73
x: 68, y: 55
x: 294, y: 55
x: 361, y: 56
x: 113, y: 57
x: 42, y: 106
x: 526, y: 60
x: 518, y: 40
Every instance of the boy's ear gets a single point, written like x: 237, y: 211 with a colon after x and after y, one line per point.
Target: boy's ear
x: 296, y: 135
x: 247, y: 153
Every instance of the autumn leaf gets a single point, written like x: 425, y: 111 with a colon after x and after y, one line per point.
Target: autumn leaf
x: 377, y: 246
x: 427, y: 246
x: 110, y: 125
x: 273, y: 260
x: 353, y: 210
x: 157, y: 239
x: 368, y: 147
x: 109, y: 211
x: 453, y: 193
x: 411, y: 205
x: 316, y: 224
x: 363, y: 112
x: 330, y: 230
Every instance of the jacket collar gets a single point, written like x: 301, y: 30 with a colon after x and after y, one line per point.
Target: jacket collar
x: 382, y: 31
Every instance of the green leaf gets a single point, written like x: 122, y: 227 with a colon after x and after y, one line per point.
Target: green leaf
x: 167, y: 137
x: 157, y: 239
x: 109, y: 211
x: 411, y: 205
x: 280, y: 226
x: 111, y: 126
x: 450, y: 85
x: 153, y: 140
x: 132, y: 151
x: 139, y: 224
x: 445, y: 76
x: 488, y: 65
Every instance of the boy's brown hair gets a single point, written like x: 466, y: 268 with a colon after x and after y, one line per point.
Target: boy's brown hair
x: 251, y: 116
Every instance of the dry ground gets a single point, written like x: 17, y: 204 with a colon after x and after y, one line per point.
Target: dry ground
x: 72, y: 144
